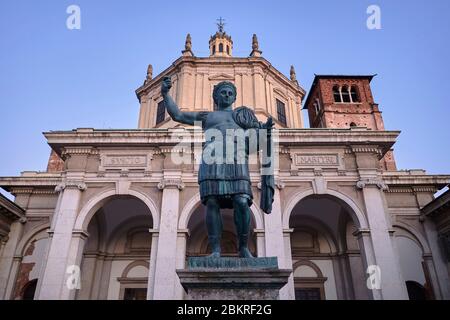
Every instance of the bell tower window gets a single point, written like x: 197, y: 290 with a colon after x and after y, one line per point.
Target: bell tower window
x: 337, y: 94
x: 345, y: 94
x: 354, y: 94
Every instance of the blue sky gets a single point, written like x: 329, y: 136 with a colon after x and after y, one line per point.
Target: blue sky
x: 52, y: 78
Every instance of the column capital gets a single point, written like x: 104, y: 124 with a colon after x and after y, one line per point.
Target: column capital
x: 361, y: 184
x: 171, y: 184
x: 71, y: 184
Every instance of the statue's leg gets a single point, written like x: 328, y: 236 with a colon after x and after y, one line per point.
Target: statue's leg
x: 214, y: 225
x: 242, y: 222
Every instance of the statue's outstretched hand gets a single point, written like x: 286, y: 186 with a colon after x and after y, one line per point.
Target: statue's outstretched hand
x: 166, y: 85
x: 269, y: 124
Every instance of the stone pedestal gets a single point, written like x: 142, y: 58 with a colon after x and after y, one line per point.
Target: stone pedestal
x: 233, y: 278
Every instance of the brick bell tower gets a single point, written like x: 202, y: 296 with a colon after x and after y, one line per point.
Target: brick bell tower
x: 345, y: 101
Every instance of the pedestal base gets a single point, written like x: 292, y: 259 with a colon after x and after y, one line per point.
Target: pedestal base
x: 233, y: 278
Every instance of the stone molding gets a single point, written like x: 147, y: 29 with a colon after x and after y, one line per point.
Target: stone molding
x: 361, y: 232
x: 80, y: 234
x: 368, y: 149
x: 67, y: 152
x: 21, y: 190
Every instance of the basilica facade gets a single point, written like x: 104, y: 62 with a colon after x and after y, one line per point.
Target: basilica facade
x: 114, y: 216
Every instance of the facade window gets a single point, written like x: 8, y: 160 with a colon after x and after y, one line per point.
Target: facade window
x: 354, y: 94
x: 316, y: 106
x: 307, y: 294
x: 352, y: 124
x: 345, y: 94
x: 281, y: 112
x: 337, y: 94
x: 213, y: 49
x: 228, y: 49
x: 135, y: 294
x: 220, y: 47
x: 160, y: 112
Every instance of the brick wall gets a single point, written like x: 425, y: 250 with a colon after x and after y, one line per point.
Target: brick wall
x: 55, y: 163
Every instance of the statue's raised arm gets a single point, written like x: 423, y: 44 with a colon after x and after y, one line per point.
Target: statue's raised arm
x: 174, y: 111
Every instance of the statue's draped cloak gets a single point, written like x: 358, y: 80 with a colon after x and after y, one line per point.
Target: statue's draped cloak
x: 224, y: 180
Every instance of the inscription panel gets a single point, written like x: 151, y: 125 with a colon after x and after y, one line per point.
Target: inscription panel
x: 124, y: 161
x: 317, y: 160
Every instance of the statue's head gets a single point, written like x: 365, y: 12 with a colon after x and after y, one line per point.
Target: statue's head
x: 224, y: 94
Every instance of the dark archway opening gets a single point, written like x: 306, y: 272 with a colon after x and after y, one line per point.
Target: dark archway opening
x: 29, y: 290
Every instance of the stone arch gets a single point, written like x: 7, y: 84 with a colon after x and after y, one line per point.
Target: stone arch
x: 120, y: 230
x: 312, y: 265
x: 29, y: 236
x: 356, y: 213
x: 193, y: 203
x: 317, y: 226
x: 96, y: 202
x: 415, y: 236
x: 134, y: 264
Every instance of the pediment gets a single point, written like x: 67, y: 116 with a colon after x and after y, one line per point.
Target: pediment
x: 280, y: 92
x: 221, y: 76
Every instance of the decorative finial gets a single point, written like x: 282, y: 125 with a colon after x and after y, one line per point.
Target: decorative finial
x: 221, y: 24
x: 149, y: 73
x: 293, y: 75
x: 255, y: 47
x: 188, y: 46
x: 188, y: 43
x: 255, y: 44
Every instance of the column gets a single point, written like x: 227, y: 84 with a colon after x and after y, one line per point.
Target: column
x: 438, y: 265
x: 181, y: 261
x: 288, y: 292
x: 8, y: 266
x: 368, y: 255
x: 260, y: 246
x: 65, y: 247
x: 165, y: 278
x: 274, y: 238
x: 274, y: 232
x: 152, y: 264
x: 393, y: 286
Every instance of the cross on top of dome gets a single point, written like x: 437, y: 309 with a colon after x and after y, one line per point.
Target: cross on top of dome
x: 221, y: 24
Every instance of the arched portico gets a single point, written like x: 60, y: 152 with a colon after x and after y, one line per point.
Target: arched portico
x: 96, y: 202
x: 71, y: 232
x: 118, y: 234
x: 356, y: 213
x: 318, y: 237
